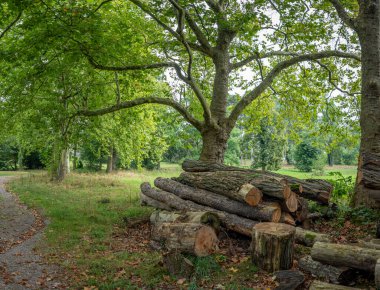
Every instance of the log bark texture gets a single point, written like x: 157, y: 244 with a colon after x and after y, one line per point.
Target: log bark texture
x: 346, y: 256
x: 199, y: 217
x: 288, y: 279
x: 309, y: 238
x: 286, y: 218
x: 273, y: 246
x: 262, y: 212
x: 178, y: 265
x: 335, y: 275
x: 319, y: 285
x: 225, y: 182
x: 377, y: 274
x: 313, y: 190
x: 196, y: 239
x: 230, y: 221
x: 146, y: 200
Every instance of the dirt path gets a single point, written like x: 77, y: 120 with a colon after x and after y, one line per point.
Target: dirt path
x: 20, y: 231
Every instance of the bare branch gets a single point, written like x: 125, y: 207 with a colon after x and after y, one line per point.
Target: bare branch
x: 342, y: 13
x: 100, y: 5
x: 140, y: 101
x: 6, y: 29
x: 257, y: 56
x: 276, y: 70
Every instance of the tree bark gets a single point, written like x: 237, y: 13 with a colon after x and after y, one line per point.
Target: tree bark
x: 214, y: 144
x: 377, y: 274
x: 346, y: 256
x: 109, y: 168
x: 286, y: 218
x: 318, y: 285
x: 309, y: 238
x: 273, y: 246
x: 227, y: 182
x: 178, y: 265
x: 263, y: 212
x: 196, y: 239
x: 317, y: 190
x: 146, y: 200
x: 368, y: 177
x: 288, y: 279
x: 336, y: 275
x: 230, y: 221
x: 63, y: 165
x: 197, y: 217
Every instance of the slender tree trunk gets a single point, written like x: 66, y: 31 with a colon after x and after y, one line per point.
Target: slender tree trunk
x: 75, y: 158
x: 330, y: 159
x: 20, y: 158
x: 110, y: 160
x: 62, y: 166
x: 367, y: 189
x: 114, y: 159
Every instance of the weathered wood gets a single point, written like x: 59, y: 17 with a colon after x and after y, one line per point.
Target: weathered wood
x: 286, y: 218
x: 201, y: 217
x: 302, y: 211
x: 196, y: 239
x: 291, y: 203
x: 288, y: 279
x: 378, y: 230
x: 230, y: 221
x: 308, y: 238
x: 336, y: 275
x: 371, y: 170
x: 250, y: 194
x: 317, y: 190
x: 373, y: 244
x: 377, y: 274
x: 273, y: 246
x: 319, y: 285
x: 262, y: 212
x: 178, y: 265
x: 225, y: 182
x: 148, y: 201
x: 345, y: 255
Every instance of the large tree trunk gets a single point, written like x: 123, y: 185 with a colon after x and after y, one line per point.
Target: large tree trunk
x: 63, y: 166
x: 214, y: 145
x: 367, y: 189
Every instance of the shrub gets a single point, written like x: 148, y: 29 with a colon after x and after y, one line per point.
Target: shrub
x: 305, y: 156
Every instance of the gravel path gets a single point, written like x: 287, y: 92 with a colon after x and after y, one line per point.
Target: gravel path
x: 20, y: 231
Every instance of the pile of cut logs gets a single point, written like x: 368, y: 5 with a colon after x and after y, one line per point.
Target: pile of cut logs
x: 264, y: 206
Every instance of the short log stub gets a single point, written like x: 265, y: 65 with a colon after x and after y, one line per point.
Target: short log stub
x: 288, y: 279
x: 273, y: 246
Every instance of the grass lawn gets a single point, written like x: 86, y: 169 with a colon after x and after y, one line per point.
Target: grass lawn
x: 87, y: 233
x: 344, y: 170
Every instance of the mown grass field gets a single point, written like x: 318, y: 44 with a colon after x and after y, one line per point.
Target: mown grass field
x: 87, y: 236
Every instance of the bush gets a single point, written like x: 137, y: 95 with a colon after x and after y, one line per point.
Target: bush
x: 343, y: 186
x: 305, y: 156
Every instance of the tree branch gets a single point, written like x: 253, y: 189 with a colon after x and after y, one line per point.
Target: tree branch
x: 140, y: 101
x: 257, y: 56
x: 276, y: 70
x: 342, y: 13
x: 6, y: 29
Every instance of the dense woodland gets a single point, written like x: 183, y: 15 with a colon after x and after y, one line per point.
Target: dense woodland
x: 231, y: 90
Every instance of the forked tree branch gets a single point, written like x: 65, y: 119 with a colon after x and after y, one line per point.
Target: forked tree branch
x: 258, y: 56
x: 140, y: 101
x: 276, y: 70
x: 10, y: 25
x: 342, y: 13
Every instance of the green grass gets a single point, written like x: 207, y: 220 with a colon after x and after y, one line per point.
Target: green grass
x: 345, y: 170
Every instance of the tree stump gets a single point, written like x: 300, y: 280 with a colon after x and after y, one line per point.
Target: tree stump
x: 178, y: 265
x: 273, y: 246
x: 288, y: 279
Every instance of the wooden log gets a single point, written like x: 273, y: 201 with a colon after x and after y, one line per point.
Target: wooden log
x: 291, y: 203
x: 346, y: 256
x: 148, y: 201
x: 319, y: 285
x: 302, y: 211
x: 370, y: 170
x: 378, y: 230
x: 335, y: 275
x: 196, y: 239
x: 314, y: 190
x: 263, y: 212
x: 286, y: 218
x: 230, y: 221
x: 373, y: 244
x: 250, y: 194
x: 225, y: 182
x: 288, y: 279
x: 273, y: 246
x: 178, y: 265
x: 309, y: 238
x: 201, y: 217
x: 377, y: 274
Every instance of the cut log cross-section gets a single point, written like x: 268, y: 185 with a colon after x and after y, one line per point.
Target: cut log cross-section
x: 273, y: 246
x: 315, y: 189
x: 196, y: 239
x: 346, y: 256
x: 230, y: 221
x: 263, y: 212
x: 227, y: 182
